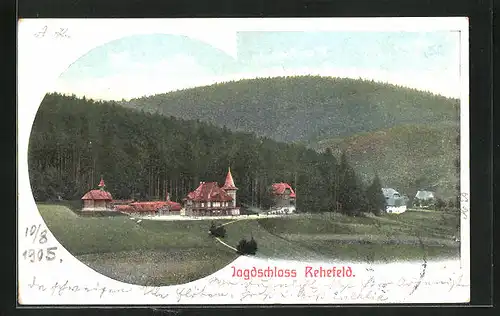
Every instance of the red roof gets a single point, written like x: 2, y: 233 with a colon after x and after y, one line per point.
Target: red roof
x: 97, y: 195
x: 123, y: 201
x: 124, y: 208
x: 148, y: 206
x: 279, y: 189
x: 209, y: 192
x: 174, y: 206
x: 229, y: 185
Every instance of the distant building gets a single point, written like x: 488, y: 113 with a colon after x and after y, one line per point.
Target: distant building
x: 424, y: 198
x: 425, y: 195
x: 211, y: 200
x: 150, y: 207
x: 155, y: 208
x: 283, y: 198
x: 122, y: 202
x: 125, y: 208
x: 170, y: 207
x: 395, y: 203
x: 97, y: 200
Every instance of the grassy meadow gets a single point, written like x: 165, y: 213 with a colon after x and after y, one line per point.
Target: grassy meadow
x: 174, y: 252
x: 412, y: 235
x: 146, y: 253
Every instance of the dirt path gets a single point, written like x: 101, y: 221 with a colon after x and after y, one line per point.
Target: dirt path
x: 232, y: 248
x: 237, y: 220
x: 223, y: 243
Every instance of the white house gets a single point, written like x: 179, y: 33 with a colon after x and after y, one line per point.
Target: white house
x: 424, y: 198
x: 395, y: 203
x: 425, y: 195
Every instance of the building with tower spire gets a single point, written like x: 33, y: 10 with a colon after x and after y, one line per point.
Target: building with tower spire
x: 211, y: 200
x: 230, y: 188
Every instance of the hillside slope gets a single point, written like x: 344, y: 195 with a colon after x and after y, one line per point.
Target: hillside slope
x: 407, y: 136
x: 407, y: 157
x: 304, y: 108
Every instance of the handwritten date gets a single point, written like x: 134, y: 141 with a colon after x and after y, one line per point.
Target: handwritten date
x: 38, y: 255
x: 33, y: 232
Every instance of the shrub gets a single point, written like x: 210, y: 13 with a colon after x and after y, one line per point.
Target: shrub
x: 245, y: 247
x: 217, y: 231
x: 242, y: 246
x: 252, y: 246
x: 440, y: 204
x: 416, y: 203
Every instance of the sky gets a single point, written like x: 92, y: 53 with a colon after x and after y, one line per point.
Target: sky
x: 142, y: 65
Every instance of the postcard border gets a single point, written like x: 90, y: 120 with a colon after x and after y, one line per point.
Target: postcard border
x: 479, y: 121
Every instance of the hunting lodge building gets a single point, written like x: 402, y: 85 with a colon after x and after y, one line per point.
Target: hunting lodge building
x: 210, y: 199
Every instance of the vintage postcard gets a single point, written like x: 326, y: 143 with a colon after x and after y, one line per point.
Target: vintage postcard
x: 243, y: 161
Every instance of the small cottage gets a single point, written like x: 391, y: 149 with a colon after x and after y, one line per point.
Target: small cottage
x: 425, y: 195
x: 424, y: 198
x: 283, y: 197
x: 395, y: 203
x: 97, y: 200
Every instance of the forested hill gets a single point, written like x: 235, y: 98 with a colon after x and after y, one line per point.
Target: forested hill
x: 304, y: 108
x: 406, y: 157
x: 75, y: 141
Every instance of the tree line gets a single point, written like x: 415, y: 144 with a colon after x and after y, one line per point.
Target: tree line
x: 74, y: 141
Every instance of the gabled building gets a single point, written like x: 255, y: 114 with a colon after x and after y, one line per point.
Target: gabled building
x: 424, y: 199
x: 211, y: 200
x: 97, y: 200
x: 283, y: 197
x: 425, y: 195
x: 395, y: 203
x: 167, y: 207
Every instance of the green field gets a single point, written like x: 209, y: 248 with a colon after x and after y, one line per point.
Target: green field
x: 407, y: 236
x: 173, y: 252
x: 148, y: 253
